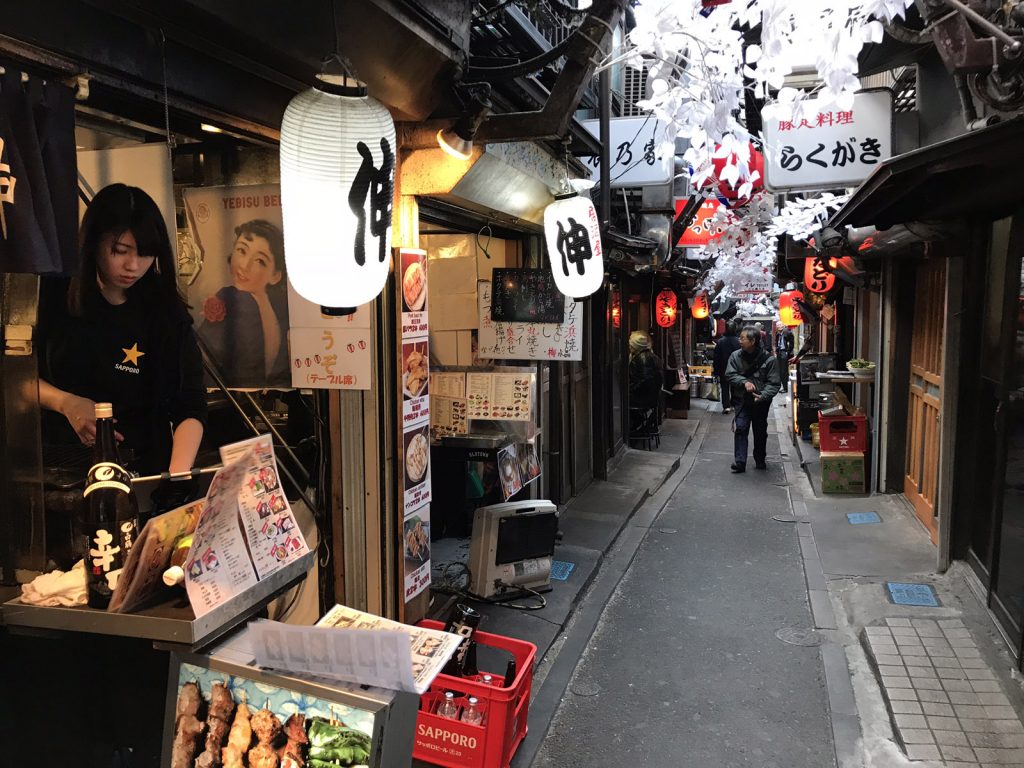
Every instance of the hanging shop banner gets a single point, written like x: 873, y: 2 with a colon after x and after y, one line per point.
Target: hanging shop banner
x: 416, y: 533
x: 414, y: 369
x: 827, y: 147
x: 38, y: 184
x: 328, y: 352
x: 701, y: 231
x: 637, y: 156
x: 528, y: 341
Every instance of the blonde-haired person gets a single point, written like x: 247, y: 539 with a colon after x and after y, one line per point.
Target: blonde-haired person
x: 645, y: 378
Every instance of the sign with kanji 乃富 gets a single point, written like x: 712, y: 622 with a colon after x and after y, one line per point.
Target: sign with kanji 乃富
x: 637, y: 157
x: 827, y: 147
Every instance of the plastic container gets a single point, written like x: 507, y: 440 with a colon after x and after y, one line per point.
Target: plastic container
x: 843, y: 434
x: 456, y: 744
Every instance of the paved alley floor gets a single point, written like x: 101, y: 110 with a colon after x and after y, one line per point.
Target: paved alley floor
x: 705, y: 654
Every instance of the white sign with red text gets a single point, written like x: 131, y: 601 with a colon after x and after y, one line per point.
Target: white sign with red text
x: 828, y: 147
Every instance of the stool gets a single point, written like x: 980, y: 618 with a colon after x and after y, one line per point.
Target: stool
x: 644, y: 427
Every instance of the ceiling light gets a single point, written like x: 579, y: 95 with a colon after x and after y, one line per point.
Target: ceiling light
x: 211, y: 128
x: 457, y: 139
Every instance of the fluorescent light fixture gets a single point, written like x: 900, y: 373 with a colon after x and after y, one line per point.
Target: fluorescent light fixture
x: 211, y: 128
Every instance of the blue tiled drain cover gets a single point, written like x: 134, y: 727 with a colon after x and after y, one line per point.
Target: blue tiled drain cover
x: 863, y: 518
x: 912, y: 594
x: 560, y: 569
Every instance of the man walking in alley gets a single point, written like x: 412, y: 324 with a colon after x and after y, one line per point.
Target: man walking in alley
x: 753, y: 378
x: 724, y: 347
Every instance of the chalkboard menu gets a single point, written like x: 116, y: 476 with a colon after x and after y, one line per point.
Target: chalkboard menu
x: 526, y: 296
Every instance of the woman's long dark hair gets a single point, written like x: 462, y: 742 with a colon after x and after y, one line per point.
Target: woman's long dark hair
x: 117, y: 209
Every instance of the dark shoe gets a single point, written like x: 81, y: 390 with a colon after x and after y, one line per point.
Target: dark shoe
x: 761, y: 465
x: 737, y: 468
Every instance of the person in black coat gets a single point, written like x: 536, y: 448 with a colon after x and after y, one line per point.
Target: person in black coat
x: 723, y: 349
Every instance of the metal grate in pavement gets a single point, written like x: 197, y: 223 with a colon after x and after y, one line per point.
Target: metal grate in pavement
x: 912, y: 594
x: 863, y: 518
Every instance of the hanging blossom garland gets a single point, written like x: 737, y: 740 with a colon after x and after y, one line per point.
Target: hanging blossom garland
x: 697, y: 65
x: 800, y: 218
x: 744, y: 254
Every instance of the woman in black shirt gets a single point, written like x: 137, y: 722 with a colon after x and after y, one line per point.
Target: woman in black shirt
x: 121, y: 333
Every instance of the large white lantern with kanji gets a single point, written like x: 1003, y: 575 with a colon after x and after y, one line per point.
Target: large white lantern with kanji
x: 573, y: 236
x: 337, y: 181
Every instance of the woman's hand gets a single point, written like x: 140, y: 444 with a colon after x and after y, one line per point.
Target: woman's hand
x: 81, y: 415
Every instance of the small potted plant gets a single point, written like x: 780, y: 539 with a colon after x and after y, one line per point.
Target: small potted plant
x: 861, y: 367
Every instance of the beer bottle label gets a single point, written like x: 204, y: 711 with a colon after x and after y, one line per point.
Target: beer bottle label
x: 103, y: 552
x: 107, y: 474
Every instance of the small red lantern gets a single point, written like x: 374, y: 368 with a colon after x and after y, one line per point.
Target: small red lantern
x: 701, y: 306
x: 789, y: 311
x: 665, y: 308
x: 616, y: 310
x: 817, y: 277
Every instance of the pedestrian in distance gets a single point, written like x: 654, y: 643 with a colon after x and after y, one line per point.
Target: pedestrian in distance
x: 753, y: 376
x: 724, y: 347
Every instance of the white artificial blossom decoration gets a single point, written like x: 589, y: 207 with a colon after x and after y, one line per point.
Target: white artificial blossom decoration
x: 697, y: 65
x: 744, y: 254
x: 800, y: 218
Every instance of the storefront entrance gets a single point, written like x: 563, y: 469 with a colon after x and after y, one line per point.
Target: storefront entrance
x: 925, y: 398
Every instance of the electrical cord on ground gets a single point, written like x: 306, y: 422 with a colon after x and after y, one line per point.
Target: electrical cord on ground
x: 448, y: 585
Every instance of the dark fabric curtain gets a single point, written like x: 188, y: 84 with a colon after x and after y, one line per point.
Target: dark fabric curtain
x: 38, y: 177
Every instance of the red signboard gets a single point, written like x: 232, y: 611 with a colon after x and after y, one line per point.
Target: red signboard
x: 701, y: 231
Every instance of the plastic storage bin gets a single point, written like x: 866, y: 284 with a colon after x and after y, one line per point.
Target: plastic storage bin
x: 455, y: 744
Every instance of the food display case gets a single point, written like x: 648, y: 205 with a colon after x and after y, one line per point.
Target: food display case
x: 221, y: 705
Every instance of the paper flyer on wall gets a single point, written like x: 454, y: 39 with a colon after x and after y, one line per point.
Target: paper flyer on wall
x: 416, y: 546
x: 355, y: 647
x: 247, y: 530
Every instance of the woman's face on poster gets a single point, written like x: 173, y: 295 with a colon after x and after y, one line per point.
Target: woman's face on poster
x: 253, y: 267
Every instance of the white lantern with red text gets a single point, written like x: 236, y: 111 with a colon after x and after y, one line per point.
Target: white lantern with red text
x: 789, y: 310
x: 666, y: 308
x: 337, y: 182
x: 573, y: 236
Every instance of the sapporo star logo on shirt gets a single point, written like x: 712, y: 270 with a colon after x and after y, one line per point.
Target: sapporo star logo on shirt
x: 131, y: 355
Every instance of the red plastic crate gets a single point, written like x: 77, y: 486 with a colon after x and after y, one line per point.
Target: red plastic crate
x: 455, y: 744
x: 842, y: 434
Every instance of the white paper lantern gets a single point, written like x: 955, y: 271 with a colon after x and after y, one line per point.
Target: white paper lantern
x: 337, y: 181
x: 573, y: 235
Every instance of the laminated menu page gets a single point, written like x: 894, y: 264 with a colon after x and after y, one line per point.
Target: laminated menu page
x: 246, y: 531
x: 504, y: 396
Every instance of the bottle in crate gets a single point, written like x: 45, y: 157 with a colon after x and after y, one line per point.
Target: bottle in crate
x: 472, y: 714
x: 448, y: 708
x: 487, y: 680
x: 510, y: 673
x: 463, y: 621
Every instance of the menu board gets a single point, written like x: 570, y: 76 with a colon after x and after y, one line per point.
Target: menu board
x: 448, y: 384
x: 518, y: 466
x: 499, y: 340
x: 328, y: 352
x: 416, y: 416
x: 505, y: 396
x: 246, y: 531
x: 526, y: 295
x: 448, y: 416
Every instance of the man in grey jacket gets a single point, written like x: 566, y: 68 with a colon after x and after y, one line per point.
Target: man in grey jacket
x: 753, y: 378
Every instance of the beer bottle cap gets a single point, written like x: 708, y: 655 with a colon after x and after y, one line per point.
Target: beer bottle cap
x: 104, y: 411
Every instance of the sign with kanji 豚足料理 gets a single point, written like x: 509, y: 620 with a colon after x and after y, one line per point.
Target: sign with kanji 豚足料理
x: 827, y: 147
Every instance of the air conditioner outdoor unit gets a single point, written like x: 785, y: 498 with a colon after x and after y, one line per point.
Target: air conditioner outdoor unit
x: 512, y: 548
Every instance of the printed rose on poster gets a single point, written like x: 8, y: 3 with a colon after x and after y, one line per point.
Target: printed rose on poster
x: 214, y: 310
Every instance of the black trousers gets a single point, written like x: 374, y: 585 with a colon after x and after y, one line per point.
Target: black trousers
x: 750, y: 414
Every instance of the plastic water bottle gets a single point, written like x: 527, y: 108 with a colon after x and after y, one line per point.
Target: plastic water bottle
x: 472, y: 714
x: 448, y: 708
x: 487, y: 680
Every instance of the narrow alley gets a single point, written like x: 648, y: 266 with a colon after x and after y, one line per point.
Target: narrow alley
x: 735, y: 637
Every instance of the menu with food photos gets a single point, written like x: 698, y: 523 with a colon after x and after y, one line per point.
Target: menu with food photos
x: 246, y: 530
x: 500, y: 396
x: 416, y: 383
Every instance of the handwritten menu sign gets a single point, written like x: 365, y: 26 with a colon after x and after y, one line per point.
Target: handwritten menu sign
x: 526, y: 295
x: 328, y: 352
x: 499, y: 340
x: 505, y: 396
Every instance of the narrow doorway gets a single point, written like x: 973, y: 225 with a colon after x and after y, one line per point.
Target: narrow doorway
x: 920, y: 482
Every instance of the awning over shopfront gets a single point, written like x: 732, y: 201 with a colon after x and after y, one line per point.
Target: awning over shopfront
x: 980, y: 174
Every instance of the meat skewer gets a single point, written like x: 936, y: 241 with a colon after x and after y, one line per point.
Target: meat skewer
x: 291, y: 753
x: 239, y: 739
x: 186, y: 726
x: 267, y: 728
x: 217, y: 718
